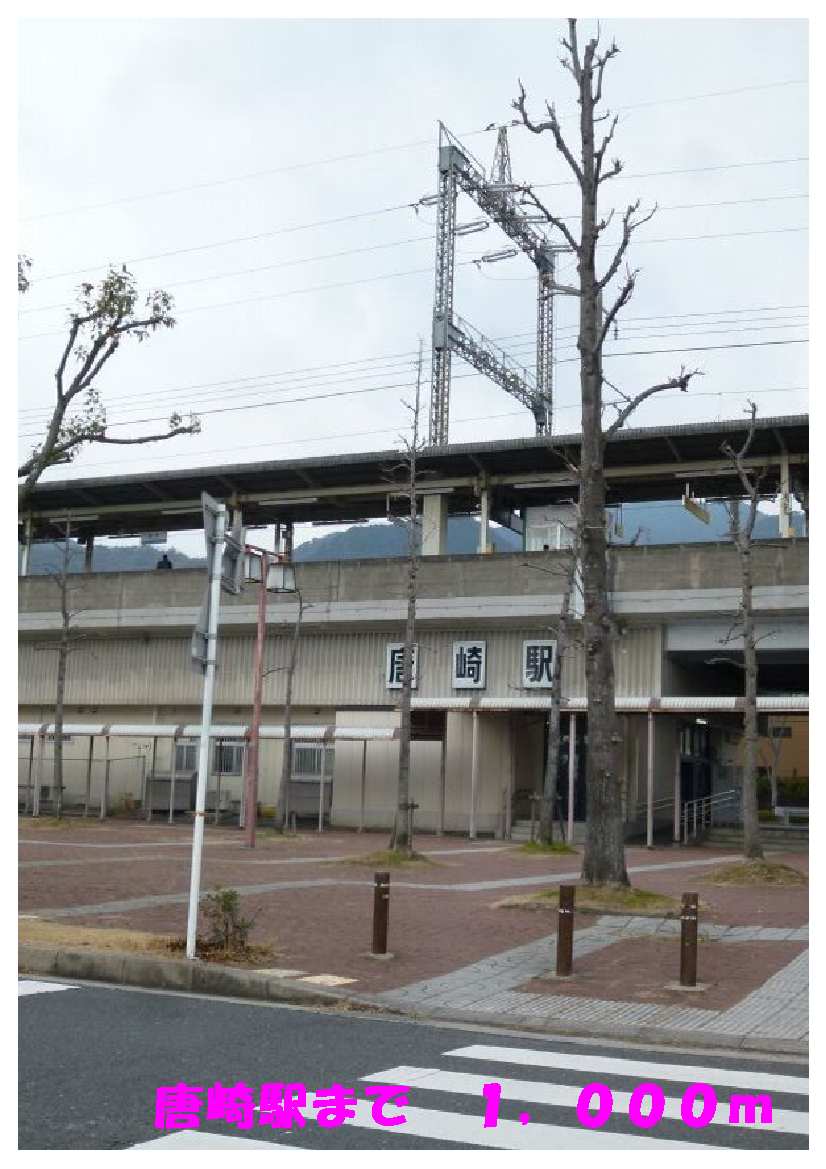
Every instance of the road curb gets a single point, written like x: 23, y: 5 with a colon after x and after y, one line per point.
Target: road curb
x: 231, y: 982
x: 168, y: 974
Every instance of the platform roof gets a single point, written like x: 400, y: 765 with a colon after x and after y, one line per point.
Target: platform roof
x: 651, y: 463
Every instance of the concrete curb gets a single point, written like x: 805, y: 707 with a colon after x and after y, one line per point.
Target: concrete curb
x: 231, y: 982
x: 168, y: 974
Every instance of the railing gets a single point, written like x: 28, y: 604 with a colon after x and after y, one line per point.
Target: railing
x: 698, y: 814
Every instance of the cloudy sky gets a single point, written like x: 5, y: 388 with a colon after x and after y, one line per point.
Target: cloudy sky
x: 263, y: 172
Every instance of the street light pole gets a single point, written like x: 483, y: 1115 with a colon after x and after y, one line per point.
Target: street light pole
x: 251, y: 770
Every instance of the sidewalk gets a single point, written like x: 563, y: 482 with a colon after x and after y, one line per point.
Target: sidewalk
x: 456, y: 954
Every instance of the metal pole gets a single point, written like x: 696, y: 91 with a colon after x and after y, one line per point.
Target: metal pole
x: 688, y: 940
x: 88, y: 553
x: 104, y: 796
x: 88, y: 795
x: 565, y: 932
x: 321, y: 795
x: 218, y: 780
x: 695, y: 819
x: 28, y: 804
x: 571, y: 773
x: 148, y: 806
x: 206, y: 721
x: 381, y: 912
x: 474, y: 776
x: 38, y: 773
x: 649, y: 787
x: 440, y: 828
x: 685, y: 823
x: 363, y: 783
x: 143, y: 779
x: 173, y: 774
x: 677, y: 786
x: 251, y: 778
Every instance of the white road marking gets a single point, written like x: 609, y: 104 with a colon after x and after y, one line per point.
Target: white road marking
x: 638, y: 1069
x: 193, y: 1138
x: 562, y: 1095
x: 31, y: 986
x: 508, y: 1134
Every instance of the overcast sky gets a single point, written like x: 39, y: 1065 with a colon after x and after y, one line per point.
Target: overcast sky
x: 181, y: 135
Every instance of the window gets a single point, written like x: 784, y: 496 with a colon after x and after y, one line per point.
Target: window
x: 227, y: 757
x: 186, y: 756
x: 781, y: 732
x: 308, y: 760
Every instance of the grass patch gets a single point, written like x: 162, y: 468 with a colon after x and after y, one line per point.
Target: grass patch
x: 83, y: 937
x: 28, y: 822
x: 386, y: 858
x: 599, y: 899
x: 59, y: 933
x: 755, y: 872
x: 535, y: 848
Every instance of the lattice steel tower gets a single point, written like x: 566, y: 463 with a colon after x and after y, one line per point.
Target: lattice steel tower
x: 495, y: 196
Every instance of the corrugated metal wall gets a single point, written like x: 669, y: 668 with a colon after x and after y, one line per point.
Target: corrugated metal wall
x: 334, y: 669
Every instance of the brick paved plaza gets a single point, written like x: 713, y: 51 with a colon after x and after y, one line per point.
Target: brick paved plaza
x: 453, y: 950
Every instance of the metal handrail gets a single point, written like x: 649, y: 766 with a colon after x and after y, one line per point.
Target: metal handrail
x: 700, y: 810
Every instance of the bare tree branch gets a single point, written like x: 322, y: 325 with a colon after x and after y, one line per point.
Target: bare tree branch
x: 551, y: 124
x: 675, y: 383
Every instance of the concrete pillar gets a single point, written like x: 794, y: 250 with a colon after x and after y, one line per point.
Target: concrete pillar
x: 87, y: 798
x: 104, y: 795
x: 88, y: 553
x: 484, y: 521
x: 27, y: 546
x: 40, y: 751
x: 649, y: 786
x: 571, y: 773
x: 474, y: 776
x: 434, y: 525
x: 785, y: 515
x: 677, y: 793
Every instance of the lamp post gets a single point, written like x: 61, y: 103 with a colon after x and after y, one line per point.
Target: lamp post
x: 273, y: 573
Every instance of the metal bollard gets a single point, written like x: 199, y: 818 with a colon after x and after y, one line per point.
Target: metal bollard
x: 565, y: 932
x: 688, y: 940
x: 381, y: 912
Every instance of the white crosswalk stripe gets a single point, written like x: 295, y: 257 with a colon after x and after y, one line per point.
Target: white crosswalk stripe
x: 558, y: 1095
x: 29, y: 986
x: 193, y: 1138
x: 638, y: 1069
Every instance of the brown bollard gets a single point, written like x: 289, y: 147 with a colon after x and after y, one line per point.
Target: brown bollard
x: 381, y: 912
x: 565, y: 932
x: 688, y: 940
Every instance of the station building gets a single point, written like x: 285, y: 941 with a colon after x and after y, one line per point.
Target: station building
x: 485, y: 628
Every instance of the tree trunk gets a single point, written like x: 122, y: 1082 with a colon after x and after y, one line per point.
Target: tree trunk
x: 604, y: 860
x: 752, y: 847
x: 546, y: 812
x: 286, y: 757
x: 400, y: 837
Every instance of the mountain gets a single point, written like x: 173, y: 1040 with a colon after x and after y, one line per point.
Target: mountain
x: 650, y: 523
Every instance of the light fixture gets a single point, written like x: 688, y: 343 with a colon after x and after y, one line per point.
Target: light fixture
x: 281, y: 577
x: 194, y: 509
x: 285, y: 499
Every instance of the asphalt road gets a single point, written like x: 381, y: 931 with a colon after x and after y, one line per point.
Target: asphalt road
x: 93, y: 1057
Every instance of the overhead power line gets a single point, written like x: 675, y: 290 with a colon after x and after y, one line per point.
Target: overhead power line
x: 379, y: 150
x: 406, y: 384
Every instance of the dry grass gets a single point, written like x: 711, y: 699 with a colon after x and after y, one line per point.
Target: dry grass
x: 83, y: 937
x: 386, y: 858
x: 756, y: 872
x: 60, y: 933
x: 535, y: 848
x: 599, y: 899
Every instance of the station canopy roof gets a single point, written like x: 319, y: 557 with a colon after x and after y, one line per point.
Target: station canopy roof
x: 651, y: 463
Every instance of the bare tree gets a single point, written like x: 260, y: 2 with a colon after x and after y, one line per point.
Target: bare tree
x: 604, y: 860
x: 66, y: 642
x: 408, y: 467
x: 564, y: 629
x: 104, y: 317
x: 742, y: 533
x: 282, y: 818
